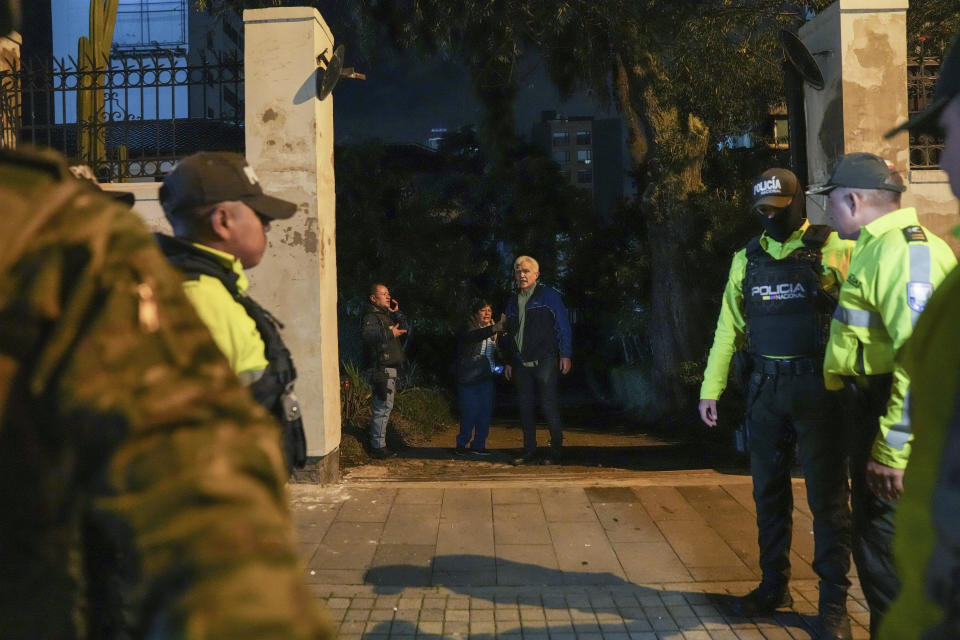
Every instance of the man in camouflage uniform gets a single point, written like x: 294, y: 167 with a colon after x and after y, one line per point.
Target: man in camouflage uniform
x: 142, y: 488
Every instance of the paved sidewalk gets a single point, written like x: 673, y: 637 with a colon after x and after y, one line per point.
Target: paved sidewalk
x: 653, y: 558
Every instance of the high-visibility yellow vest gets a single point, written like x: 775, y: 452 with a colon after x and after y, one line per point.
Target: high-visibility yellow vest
x: 234, y: 331
x: 932, y: 359
x: 895, y: 268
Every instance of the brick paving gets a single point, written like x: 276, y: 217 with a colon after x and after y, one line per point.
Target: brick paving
x: 651, y: 559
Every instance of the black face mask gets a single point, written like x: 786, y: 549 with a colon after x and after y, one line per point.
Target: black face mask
x: 786, y: 220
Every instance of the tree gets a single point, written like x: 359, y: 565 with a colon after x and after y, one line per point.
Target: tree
x: 683, y: 75
x: 440, y: 229
x: 933, y: 21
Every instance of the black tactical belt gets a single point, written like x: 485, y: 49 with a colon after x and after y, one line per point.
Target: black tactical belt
x: 787, y: 366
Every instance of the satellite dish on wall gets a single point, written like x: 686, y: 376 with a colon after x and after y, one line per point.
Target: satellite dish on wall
x: 329, y: 75
x: 801, y: 59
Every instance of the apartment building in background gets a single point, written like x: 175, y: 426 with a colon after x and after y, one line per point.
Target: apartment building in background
x: 589, y: 152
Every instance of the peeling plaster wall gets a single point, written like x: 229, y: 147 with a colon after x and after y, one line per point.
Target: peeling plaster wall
x: 860, y: 46
x: 289, y: 140
x: 874, y: 81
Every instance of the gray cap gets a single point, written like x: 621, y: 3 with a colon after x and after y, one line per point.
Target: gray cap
x: 209, y: 177
x: 861, y: 171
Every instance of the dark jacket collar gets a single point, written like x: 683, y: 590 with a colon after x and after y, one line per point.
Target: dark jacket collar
x: 189, y: 258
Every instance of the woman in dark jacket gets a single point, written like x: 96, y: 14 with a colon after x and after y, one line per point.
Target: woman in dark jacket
x: 476, y: 370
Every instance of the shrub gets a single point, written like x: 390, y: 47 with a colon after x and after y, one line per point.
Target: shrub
x: 424, y: 412
x: 355, y: 396
x: 418, y: 413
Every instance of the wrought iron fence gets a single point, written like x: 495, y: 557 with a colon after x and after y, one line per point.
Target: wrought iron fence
x: 922, y: 74
x: 128, y: 118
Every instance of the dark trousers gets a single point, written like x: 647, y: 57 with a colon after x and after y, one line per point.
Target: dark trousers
x: 475, y: 400
x: 541, y: 381
x: 872, y: 516
x: 788, y: 410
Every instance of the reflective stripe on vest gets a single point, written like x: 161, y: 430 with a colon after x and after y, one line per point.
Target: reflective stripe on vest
x: 858, y: 317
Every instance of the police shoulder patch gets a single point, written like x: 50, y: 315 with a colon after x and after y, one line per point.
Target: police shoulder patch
x: 918, y: 293
x: 914, y: 233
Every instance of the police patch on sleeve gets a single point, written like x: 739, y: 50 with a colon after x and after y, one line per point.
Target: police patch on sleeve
x: 914, y: 234
x: 917, y: 295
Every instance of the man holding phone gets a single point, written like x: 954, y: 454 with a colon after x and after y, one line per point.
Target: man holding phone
x: 381, y: 328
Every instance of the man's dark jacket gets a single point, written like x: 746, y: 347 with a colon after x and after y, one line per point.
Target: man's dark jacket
x: 546, y: 328
x: 381, y: 349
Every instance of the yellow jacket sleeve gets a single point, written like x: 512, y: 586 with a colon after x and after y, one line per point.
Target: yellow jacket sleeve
x: 730, y: 333
x: 906, y: 273
x: 232, y: 329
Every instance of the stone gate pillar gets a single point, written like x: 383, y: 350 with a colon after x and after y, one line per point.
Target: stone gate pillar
x: 289, y: 142
x: 861, y: 48
x: 10, y: 113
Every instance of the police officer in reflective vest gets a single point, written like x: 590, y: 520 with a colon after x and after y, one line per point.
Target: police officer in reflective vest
x: 926, y: 546
x: 894, y: 269
x: 776, y: 308
x: 220, y: 216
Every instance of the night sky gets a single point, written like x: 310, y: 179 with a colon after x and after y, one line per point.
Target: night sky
x: 405, y: 96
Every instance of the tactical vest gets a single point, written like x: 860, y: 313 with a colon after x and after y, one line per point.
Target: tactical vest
x: 787, y: 311
x: 274, y: 389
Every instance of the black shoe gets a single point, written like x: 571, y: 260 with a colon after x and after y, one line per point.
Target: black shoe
x: 833, y: 623
x: 762, y: 601
x: 525, y: 458
x: 480, y: 452
x: 382, y: 453
x: 461, y: 451
x: 552, y: 458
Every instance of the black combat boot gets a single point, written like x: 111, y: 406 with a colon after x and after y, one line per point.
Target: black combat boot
x: 763, y: 601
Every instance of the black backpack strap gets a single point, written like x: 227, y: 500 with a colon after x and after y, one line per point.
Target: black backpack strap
x: 753, y: 249
x: 816, y: 236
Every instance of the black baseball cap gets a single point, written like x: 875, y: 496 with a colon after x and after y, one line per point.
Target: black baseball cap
x: 948, y: 87
x: 210, y: 177
x: 861, y: 171
x: 775, y: 187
